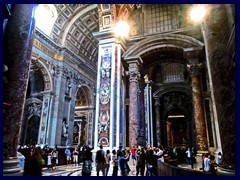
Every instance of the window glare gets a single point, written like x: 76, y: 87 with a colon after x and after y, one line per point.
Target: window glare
x: 44, y: 18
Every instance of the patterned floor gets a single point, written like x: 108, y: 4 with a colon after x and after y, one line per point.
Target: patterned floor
x: 74, y: 170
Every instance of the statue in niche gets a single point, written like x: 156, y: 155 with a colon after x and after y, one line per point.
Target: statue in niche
x: 68, y: 86
x: 103, y: 73
x: 64, y: 128
x: 108, y: 73
x: 104, y: 93
x: 105, y: 88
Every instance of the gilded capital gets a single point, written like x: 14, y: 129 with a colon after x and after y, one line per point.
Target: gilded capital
x: 194, y: 68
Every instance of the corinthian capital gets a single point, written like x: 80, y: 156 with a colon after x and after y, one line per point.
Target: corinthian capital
x: 134, y: 76
x: 194, y: 68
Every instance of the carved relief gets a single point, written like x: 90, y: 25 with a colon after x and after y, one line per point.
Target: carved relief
x: 105, y: 91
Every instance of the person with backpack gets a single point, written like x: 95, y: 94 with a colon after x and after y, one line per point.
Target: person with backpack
x: 87, y: 162
x: 100, y: 161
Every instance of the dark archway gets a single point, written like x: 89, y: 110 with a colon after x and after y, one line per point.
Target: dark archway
x: 176, y: 119
x: 32, y: 130
x: 177, y: 128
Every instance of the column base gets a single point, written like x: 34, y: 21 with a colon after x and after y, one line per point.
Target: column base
x: 11, y: 167
x: 199, y: 159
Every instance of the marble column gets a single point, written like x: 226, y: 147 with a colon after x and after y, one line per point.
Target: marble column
x: 201, y: 135
x: 169, y: 131
x: 133, y: 108
x: 220, y: 33
x: 158, y: 123
x: 18, y: 41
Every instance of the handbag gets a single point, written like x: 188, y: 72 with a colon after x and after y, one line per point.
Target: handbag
x: 56, y: 161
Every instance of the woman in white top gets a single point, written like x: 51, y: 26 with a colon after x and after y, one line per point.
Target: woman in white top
x: 159, y: 153
x: 108, y: 159
x: 54, y: 158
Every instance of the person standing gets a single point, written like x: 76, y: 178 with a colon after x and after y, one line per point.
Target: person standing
x: 54, y: 158
x: 133, y: 155
x: 115, y: 163
x: 68, y: 155
x: 46, y: 152
x: 49, y: 161
x: 34, y: 165
x: 75, y: 156
x: 219, y: 159
x: 141, y: 160
x: 207, y: 163
x: 108, y: 159
x: 122, y: 163
x: 87, y: 162
x: 100, y: 160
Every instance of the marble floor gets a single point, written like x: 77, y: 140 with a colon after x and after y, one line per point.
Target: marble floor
x: 74, y: 170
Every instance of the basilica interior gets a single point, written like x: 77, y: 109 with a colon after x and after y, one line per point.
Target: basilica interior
x: 71, y: 78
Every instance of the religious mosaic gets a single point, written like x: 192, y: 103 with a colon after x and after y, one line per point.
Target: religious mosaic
x: 105, y: 93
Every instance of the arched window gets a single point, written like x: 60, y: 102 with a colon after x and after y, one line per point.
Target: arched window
x: 45, y: 16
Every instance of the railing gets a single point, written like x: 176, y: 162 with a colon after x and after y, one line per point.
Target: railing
x: 171, y: 169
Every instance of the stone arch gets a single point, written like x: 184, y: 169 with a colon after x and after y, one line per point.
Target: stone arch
x: 176, y: 129
x: 48, y: 83
x: 87, y: 92
x: 176, y: 87
x: 83, y: 119
x: 33, y: 108
x: 158, y: 42
x: 34, y: 105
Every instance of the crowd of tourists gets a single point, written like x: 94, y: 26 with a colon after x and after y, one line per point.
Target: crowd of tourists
x: 143, y: 158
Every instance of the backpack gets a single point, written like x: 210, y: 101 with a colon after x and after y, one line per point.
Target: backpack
x: 87, y: 167
x: 99, y: 156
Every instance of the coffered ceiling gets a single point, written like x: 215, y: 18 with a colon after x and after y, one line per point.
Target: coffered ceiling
x: 73, y: 29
